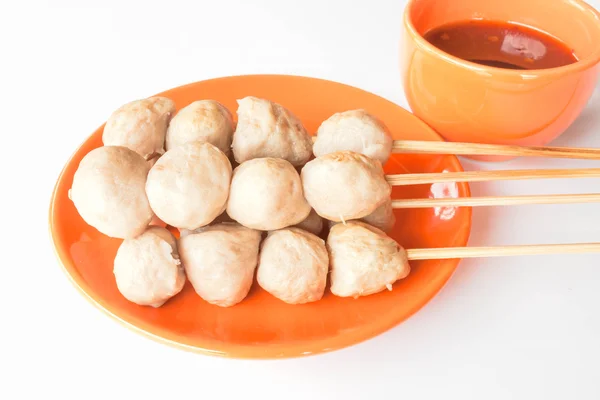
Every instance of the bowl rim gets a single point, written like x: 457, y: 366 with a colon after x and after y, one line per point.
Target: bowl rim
x: 581, y: 65
x: 246, y: 351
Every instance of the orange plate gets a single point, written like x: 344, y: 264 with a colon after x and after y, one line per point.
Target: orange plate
x: 262, y: 326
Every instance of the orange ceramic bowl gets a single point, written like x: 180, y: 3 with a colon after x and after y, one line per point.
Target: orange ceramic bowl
x: 262, y: 326
x: 468, y: 102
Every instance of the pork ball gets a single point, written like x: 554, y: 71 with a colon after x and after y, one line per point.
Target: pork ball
x: 108, y: 191
x: 147, y: 268
x: 345, y: 185
x: 293, y: 266
x: 313, y: 223
x: 204, y: 121
x: 220, y: 262
x: 189, y: 185
x: 266, y: 194
x: 266, y: 129
x: 354, y: 130
x: 364, y: 260
x: 140, y: 125
x: 382, y: 218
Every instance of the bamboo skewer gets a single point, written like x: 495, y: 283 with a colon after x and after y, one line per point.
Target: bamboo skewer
x: 482, y: 176
x: 480, y: 149
x: 477, y: 149
x: 501, y: 251
x: 498, y: 201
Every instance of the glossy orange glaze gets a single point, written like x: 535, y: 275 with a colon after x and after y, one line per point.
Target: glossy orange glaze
x: 262, y: 326
x: 469, y: 102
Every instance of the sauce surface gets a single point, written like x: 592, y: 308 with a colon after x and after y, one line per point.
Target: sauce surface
x: 501, y: 45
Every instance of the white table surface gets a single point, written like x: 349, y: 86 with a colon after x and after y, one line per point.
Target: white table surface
x: 507, y: 328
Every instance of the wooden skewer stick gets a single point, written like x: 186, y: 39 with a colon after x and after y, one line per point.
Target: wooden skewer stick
x: 480, y: 149
x: 497, y: 201
x: 482, y: 176
x: 477, y: 149
x: 501, y: 251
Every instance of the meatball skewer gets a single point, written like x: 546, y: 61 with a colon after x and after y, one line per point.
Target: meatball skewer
x: 220, y: 261
x: 266, y: 194
x: 345, y: 185
x: 293, y: 266
x: 268, y: 130
x: 203, y: 121
x: 189, y: 185
x: 359, y: 131
x: 140, y: 125
x: 364, y: 260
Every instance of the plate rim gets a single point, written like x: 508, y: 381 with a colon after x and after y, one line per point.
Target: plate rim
x: 238, y: 351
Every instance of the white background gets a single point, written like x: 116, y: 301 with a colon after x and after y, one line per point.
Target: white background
x: 519, y: 328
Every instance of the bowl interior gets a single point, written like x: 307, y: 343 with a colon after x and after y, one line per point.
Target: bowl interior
x: 262, y: 326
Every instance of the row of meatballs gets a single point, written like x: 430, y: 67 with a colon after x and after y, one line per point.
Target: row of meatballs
x: 291, y: 264
x: 122, y: 187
